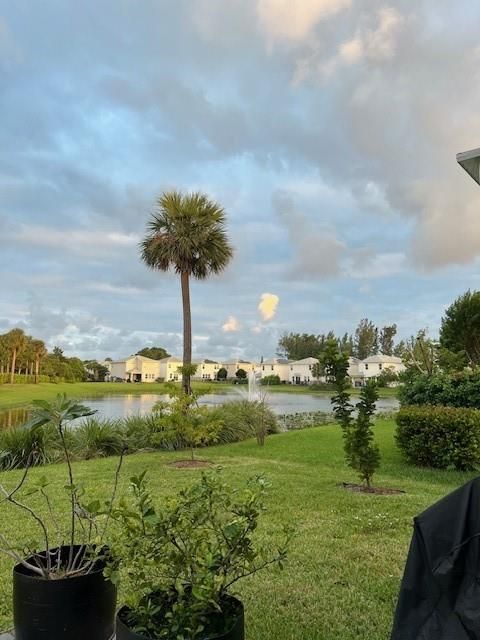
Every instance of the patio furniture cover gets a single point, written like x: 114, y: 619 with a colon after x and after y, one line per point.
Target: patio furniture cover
x: 440, y: 591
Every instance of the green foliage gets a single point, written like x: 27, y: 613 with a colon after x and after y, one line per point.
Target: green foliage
x: 241, y: 374
x: 439, y: 437
x: 421, y: 354
x: 270, y: 380
x: 83, y: 528
x: 453, y: 390
x: 178, y: 563
x: 242, y: 419
x: 365, y: 340
x: 296, y: 346
x: 222, y: 374
x: 361, y: 453
x: 460, y: 329
x: 387, y: 377
x: 95, y: 438
x: 386, y: 339
x: 155, y: 353
x: 24, y: 447
x: 304, y: 420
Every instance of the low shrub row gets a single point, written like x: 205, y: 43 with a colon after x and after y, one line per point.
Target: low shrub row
x: 21, y: 378
x: 439, y: 437
x: 96, y: 437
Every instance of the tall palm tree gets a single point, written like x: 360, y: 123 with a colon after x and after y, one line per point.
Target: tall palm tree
x: 16, y: 340
x: 186, y: 233
x: 39, y: 352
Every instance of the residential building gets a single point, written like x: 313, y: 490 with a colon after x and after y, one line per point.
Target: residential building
x: 372, y: 367
x: 232, y: 366
x: 274, y: 367
x: 169, y: 369
x: 206, y: 370
x: 135, y: 369
x: 301, y: 371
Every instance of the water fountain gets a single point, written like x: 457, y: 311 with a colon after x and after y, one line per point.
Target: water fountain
x: 253, y: 390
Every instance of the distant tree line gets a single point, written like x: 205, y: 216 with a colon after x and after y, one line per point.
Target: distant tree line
x: 367, y: 340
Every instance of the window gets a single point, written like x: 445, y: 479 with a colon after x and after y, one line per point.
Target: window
x: 271, y: 367
x: 366, y: 367
x: 263, y: 367
x: 380, y: 366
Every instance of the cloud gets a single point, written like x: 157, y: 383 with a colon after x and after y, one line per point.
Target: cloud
x: 317, y: 251
x: 231, y: 324
x: 268, y: 305
x: 290, y: 20
x: 73, y: 240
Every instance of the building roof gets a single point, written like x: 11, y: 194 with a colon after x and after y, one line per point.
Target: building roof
x: 271, y: 361
x: 381, y: 358
x: 170, y: 359
x: 306, y: 361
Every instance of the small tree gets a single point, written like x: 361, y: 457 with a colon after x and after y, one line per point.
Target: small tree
x: 361, y: 453
x: 241, y: 374
x: 222, y: 374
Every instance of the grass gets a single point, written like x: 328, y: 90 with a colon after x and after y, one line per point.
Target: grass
x: 17, y: 395
x: 345, y: 566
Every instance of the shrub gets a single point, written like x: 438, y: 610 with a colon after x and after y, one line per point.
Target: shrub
x: 241, y: 419
x: 96, y: 438
x: 269, y: 380
x: 21, y: 446
x: 454, y: 390
x: 440, y: 437
x: 305, y: 420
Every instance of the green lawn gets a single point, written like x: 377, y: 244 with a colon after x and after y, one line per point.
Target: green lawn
x: 345, y: 566
x: 17, y: 395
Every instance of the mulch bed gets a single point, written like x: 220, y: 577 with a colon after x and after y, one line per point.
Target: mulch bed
x: 361, y: 488
x: 189, y: 464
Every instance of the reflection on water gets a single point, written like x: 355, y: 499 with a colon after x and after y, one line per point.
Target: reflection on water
x: 121, y: 406
x: 13, y: 417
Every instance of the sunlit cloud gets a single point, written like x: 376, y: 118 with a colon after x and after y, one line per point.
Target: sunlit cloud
x: 231, y: 324
x: 268, y: 305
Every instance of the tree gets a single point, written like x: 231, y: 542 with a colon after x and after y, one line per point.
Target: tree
x: 387, y: 334
x: 222, y: 374
x: 39, y: 352
x: 421, y: 354
x: 361, y: 452
x: 296, y: 346
x: 460, y: 328
x: 16, y: 340
x: 366, y: 339
x: 155, y: 353
x: 58, y: 353
x: 329, y: 358
x: 186, y: 233
x: 241, y: 374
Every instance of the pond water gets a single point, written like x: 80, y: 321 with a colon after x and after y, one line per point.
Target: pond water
x: 121, y: 406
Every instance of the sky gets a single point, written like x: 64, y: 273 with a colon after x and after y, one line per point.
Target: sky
x: 327, y: 129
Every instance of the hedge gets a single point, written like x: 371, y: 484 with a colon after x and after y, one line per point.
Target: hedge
x: 439, y: 437
x: 21, y: 378
x: 455, y: 390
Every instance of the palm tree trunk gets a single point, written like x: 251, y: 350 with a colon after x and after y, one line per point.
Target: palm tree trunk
x: 187, y: 332
x: 37, y: 367
x: 12, y: 370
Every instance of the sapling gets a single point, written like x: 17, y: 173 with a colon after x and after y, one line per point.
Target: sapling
x: 85, y: 537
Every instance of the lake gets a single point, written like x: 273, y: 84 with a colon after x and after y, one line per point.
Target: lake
x: 121, y: 406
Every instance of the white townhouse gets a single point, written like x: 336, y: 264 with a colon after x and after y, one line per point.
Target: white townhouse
x: 274, y: 367
x: 170, y: 369
x: 301, y: 371
x: 372, y: 367
x: 135, y: 369
x: 232, y: 366
x: 206, y: 369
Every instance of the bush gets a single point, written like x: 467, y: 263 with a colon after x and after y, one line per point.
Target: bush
x: 305, y: 420
x: 22, y: 378
x: 22, y: 446
x: 439, y: 437
x: 268, y: 380
x: 241, y: 420
x: 96, y: 438
x: 455, y: 390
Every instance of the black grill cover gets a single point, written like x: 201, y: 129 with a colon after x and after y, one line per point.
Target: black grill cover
x: 440, y: 591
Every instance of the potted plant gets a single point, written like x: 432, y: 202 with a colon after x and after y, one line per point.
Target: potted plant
x: 59, y: 591
x: 179, y: 564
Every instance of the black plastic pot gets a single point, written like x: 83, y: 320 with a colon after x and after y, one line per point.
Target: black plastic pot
x: 77, y: 608
x: 236, y: 632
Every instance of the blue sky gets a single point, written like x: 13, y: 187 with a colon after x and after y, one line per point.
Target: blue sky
x: 326, y: 128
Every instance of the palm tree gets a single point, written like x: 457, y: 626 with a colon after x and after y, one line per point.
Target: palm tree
x: 39, y: 351
x: 16, y: 341
x: 186, y: 233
